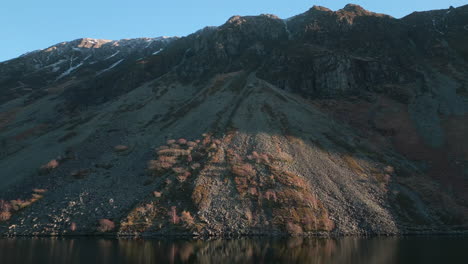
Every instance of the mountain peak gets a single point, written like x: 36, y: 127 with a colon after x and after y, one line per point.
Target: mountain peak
x: 354, y: 8
x: 90, y: 42
x: 320, y: 8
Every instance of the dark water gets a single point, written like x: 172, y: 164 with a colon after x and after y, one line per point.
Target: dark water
x: 294, y: 250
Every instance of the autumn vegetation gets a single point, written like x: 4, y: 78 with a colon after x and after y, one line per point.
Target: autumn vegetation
x: 258, y: 179
x: 8, y: 208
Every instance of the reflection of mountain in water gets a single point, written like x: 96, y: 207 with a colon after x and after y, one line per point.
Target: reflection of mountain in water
x: 293, y: 250
x: 246, y: 250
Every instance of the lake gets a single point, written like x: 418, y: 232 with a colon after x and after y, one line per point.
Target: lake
x: 243, y: 250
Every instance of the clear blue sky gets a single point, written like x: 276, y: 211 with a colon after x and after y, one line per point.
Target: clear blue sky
x: 28, y: 25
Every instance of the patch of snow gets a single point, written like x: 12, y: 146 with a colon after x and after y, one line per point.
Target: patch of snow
x: 149, y: 43
x: 110, y: 67
x: 117, y: 52
x: 87, y: 57
x: 156, y: 52
x: 55, y: 66
x: 70, y: 70
x: 76, y: 49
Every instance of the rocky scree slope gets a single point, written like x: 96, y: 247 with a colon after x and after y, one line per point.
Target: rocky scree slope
x: 330, y: 122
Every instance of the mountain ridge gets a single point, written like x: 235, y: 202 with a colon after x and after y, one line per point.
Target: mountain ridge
x: 342, y: 122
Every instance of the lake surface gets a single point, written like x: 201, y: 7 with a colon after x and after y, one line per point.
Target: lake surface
x: 245, y: 250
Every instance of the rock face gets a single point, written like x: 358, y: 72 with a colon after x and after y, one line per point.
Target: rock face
x: 329, y: 122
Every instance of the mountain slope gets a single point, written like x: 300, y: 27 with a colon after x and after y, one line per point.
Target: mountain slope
x: 330, y: 122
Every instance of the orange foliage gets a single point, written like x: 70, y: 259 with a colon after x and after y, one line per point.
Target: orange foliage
x: 105, y: 225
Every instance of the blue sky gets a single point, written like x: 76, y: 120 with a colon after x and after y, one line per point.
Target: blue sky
x: 28, y: 25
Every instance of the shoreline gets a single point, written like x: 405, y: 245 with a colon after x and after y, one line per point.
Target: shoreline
x: 463, y: 233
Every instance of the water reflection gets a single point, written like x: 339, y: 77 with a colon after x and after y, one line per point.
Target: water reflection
x: 246, y: 250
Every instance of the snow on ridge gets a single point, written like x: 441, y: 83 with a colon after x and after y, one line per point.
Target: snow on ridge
x: 117, y: 52
x: 54, y: 66
x: 156, y: 52
x: 149, y: 43
x: 110, y: 67
x: 70, y: 70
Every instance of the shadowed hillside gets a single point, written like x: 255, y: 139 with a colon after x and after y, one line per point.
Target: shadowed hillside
x: 340, y: 122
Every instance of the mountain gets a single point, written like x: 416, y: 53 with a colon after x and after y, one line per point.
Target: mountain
x: 344, y: 122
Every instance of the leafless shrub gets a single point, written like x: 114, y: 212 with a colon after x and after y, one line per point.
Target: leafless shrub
x: 39, y: 190
x: 293, y: 229
x: 253, y: 191
x: 141, y: 210
x: 19, y: 204
x: 241, y: 184
x: 187, y: 218
x: 195, y: 166
x: 259, y: 158
x: 233, y: 157
x: 173, y: 152
x: 173, y: 215
x: 5, y: 206
x: 49, y: 166
x: 35, y: 197
x: 206, y: 139
x: 248, y: 215
x: 162, y: 147
x: 170, y: 141
x: 283, y: 156
x: 162, y: 163
x: 265, y: 158
x: 255, y: 155
x: 175, y: 146
x: 105, y: 225
x: 120, y: 148
x: 244, y: 170
x: 181, y: 178
x: 5, y: 216
x: 182, y: 141
x: 270, y: 195
x: 157, y: 194
x: 179, y: 170
x: 192, y: 144
x: 200, y: 196
x: 389, y: 169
